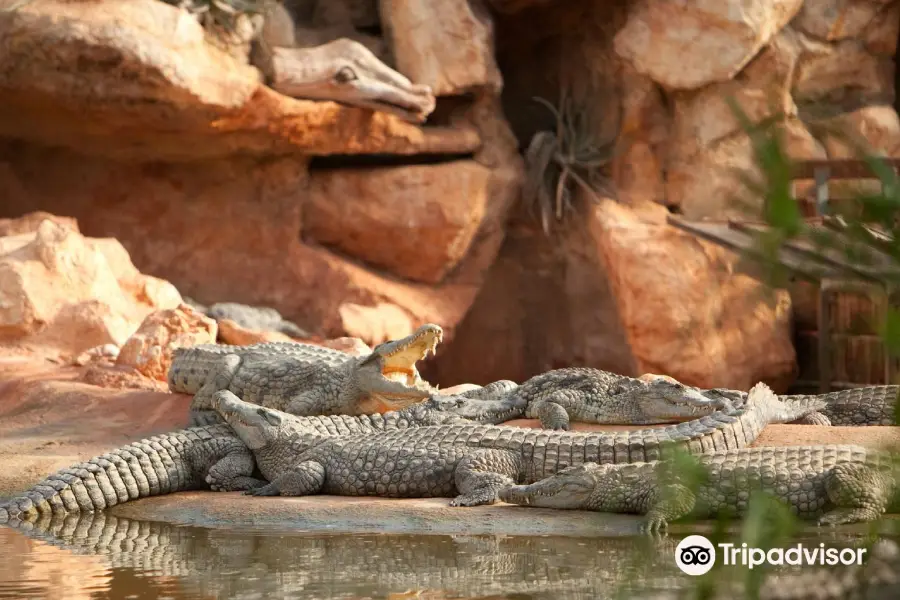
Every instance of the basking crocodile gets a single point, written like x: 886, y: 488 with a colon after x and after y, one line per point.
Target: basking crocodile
x: 304, y: 379
x: 591, y: 395
x: 837, y: 484
x: 469, y: 461
x: 209, y: 456
x: 594, y: 396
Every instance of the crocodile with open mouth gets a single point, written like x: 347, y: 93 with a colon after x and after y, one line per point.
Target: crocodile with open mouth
x: 304, y: 379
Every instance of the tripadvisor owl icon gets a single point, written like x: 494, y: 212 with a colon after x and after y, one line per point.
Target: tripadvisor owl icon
x: 695, y: 555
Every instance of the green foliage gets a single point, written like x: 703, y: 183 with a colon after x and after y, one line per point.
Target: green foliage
x: 556, y: 162
x: 871, y: 226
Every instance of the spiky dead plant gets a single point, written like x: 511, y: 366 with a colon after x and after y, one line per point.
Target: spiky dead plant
x: 557, y: 161
x: 222, y: 16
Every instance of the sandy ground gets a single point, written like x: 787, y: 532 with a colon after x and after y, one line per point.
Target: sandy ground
x: 50, y: 418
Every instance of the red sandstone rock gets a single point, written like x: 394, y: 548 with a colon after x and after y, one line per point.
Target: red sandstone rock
x: 417, y: 222
x: 150, y: 349
x: 174, y: 95
x: 685, y: 311
x: 61, y: 290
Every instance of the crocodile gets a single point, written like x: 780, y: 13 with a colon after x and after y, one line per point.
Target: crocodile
x: 304, y: 379
x: 837, y: 484
x: 591, y: 395
x: 594, y: 396
x: 469, y: 462
x: 204, y: 457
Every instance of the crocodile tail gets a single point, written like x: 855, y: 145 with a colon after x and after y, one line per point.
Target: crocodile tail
x: 156, y: 465
x: 873, y: 405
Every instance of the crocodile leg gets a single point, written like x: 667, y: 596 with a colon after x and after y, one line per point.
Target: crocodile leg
x: 304, y: 479
x: 233, y: 471
x: 859, y: 492
x: 669, y: 503
x: 813, y: 418
x: 552, y: 412
x: 305, y: 403
x: 480, y: 476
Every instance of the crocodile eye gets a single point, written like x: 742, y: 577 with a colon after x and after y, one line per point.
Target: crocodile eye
x: 345, y: 75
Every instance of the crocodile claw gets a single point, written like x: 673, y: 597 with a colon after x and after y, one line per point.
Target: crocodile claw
x: 655, y: 525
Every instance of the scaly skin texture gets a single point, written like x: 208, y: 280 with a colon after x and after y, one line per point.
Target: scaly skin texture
x: 471, y: 462
x: 210, y: 456
x: 733, y: 427
x: 183, y: 460
x: 303, y: 379
x: 836, y: 484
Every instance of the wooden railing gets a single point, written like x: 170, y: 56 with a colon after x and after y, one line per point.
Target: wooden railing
x: 822, y: 171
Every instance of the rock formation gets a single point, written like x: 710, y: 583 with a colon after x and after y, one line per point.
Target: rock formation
x: 354, y: 222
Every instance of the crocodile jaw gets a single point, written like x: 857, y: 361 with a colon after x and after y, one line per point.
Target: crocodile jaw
x: 570, y: 488
x: 399, y: 357
x: 664, y: 401
x: 389, y: 375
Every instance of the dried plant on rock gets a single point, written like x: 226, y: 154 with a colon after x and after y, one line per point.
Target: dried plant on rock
x: 224, y: 17
x: 556, y: 161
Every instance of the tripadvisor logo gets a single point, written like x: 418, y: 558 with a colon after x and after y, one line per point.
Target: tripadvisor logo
x: 696, y: 555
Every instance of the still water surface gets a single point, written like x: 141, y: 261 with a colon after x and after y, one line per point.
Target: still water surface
x: 105, y: 557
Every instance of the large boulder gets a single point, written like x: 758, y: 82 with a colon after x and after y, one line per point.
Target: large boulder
x: 688, y: 44
x: 707, y: 183
x: 417, y: 222
x: 151, y: 348
x: 446, y: 44
x: 834, y: 20
x: 842, y: 74
x: 685, y: 309
x: 140, y: 80
x: 621, y: 290
x: 60, y: 290
x: 177, y: 149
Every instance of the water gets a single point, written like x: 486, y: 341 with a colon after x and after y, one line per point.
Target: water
x: 105, y: 557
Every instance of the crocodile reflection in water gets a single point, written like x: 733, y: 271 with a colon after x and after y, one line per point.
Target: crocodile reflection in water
x: 236, y: 564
